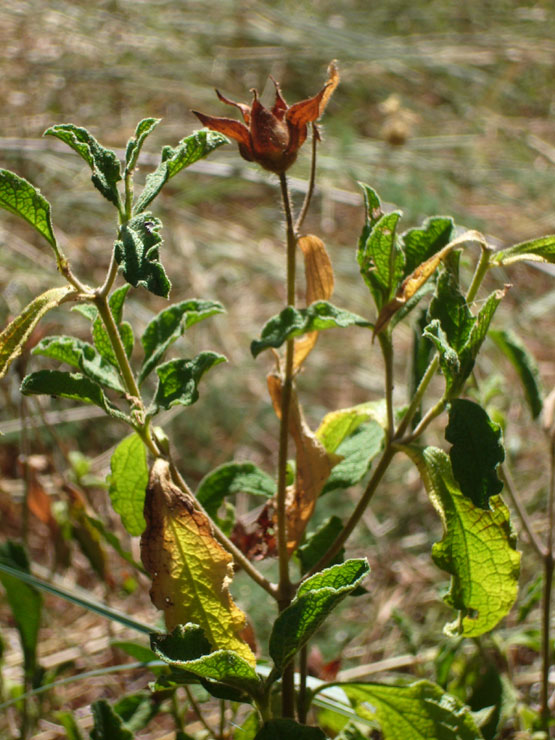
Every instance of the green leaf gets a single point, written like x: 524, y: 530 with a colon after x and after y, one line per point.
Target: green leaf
x: 136, y: 710
x: 381, y: 260
x: 111, y: 539
x: 293, y: 322
x: 15, y: 335
x: 317, y: 544
x: 128, y: 481
x: 69, y: 723
x: 421, y: 356
x: 230, y: 479
x: 81, y: 355
x: 100, y: 335
x: 358, y: 451
x: 315, y: 599
x: 524, y: 364
x: 107, y: 724
x: 448, y: 357
x: 137, y: 254
x: 135, y: 143
x: 422, y: 243
x: 476, y: 452
x: 450, y: 308
x: 169, y: 325
x: 103, y: 162
x: 68, y: 385
x: 288, y: 729
x: 187, y: 648
x: 421, y: 711
x: 20, y: 197
x: 140, y: 653
x: 178, y: 380
x: 478, y: 548
x: 372, y: 208
x: 339, y: 425
x: 189, y: 150
x: 25, y: 602
x: 535, y: 250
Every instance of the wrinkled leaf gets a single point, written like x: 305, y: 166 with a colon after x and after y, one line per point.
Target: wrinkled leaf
x: 478, y: 548
x: 68, y: 385
x: 180, y: 648
x: 318, y: 542
x: 341, y: 424
x: 191, y: 571
x: 319, y: 287
x: 450, y: 308
x: 137, y: 252
x: 421, y: 711
x: 178, y: 379
x: 169, y: 325
x: 128, y: 481
x: 18, y: 196
x: 381, y: 260
x: 82, y: 355
x: 16, y: 334
x: 314, y: 465
x: 135, y: 143
x: 535, y: 250
x: 230, y: 479
x: 524, y: 364
x: 293, y: 322
x: 107, y: 724
x: 103, y: 162
x: 476, y: 452
x: 422, y: 243
x: 288, y: 729
x: 189, y: 150
x: 25, y: 602
x: 315, y: 599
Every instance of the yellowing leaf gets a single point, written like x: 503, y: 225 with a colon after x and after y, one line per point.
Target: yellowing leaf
x: 319, y: 287
x: 314, y: 465
x: 16, y: 334
x: 420, y: 275
x: 190, y: 570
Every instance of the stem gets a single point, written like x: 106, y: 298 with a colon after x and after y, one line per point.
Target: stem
x: 110, y: 277
x: 311, y: 182
x: 284, y: 588
x: 387, y: 351
x: 301, y: 699
x: 222, y: 719
x: 197, y: 711
x: 430, y: 415
x: 417, y: 398
x: 545, y: 711
x: 479, y: 274
x: 353, y: 520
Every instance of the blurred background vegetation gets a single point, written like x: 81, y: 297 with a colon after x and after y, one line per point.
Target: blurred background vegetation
x: 442, y: 108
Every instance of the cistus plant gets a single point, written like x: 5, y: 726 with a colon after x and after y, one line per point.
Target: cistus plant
x: 188, y: 550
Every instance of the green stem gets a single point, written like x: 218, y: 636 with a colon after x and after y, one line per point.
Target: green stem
x: 285, y: 591
x: 110, y: 277
x: 386, y: 345
x: 196, y: 710
x: 479, y: 274
x: 417, y: 398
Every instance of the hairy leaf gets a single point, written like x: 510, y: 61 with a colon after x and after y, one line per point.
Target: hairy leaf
x: 25, y: 602
x: 288, y: 729
x: 381, y: 260
x: 420, y: 711
x: 476, y: 452
x: 137, y: 252
x: 181, y: 648
x: 108, y: 725
x: 16, y: 334
x: 524, y: 364
x: 189, y: 150
x: 68, y: 385
x: 82, y: 355
x: 103, y: 162
x: 135, y: 143
x: 169, y: 325
x: 18, y: 196
x: 422, y: 243
x: 128, y: 481
x: 293, y: 322
x: 319, y: 287
x: 315, y: 599
x: 230, y: 479
x: 536, y: 250
x: 478, y: 548
x: 450, y: 308
x: 191, y: 571
x: 178, y: 379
